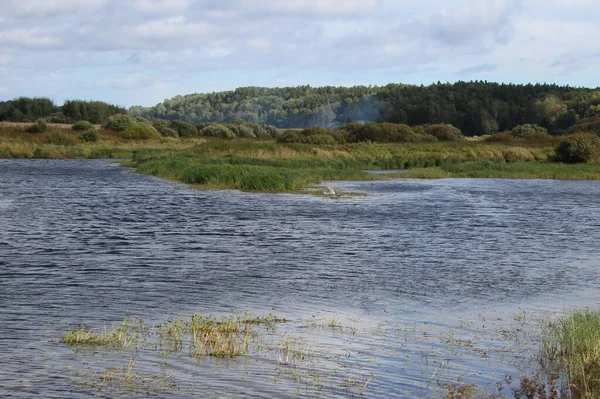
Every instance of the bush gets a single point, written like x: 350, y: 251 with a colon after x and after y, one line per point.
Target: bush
x: 82, y: 125
x: 140, y: 131
x: 90, y: 135
x: 240, y: 129
x: 579, y: 148
x: 216, y: 131
x: 59, y: 138
x: 184, y: 129
x: 39, y: 126
x: 58, y: 117
x: 316, y: 135
x: 587, y: 125
x: 385, y: 133
x: 164, y: 128
x: 529, y: 131
x: 500, y: 137
x: 119, y: 122
x: 444, y: 132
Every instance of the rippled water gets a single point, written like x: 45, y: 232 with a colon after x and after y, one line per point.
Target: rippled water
x: 412, y: 271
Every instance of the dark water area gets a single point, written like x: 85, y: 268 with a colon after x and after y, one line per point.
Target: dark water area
x: 91, y: 242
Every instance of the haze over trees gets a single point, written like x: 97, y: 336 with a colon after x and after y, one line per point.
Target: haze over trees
x: 476, y: 108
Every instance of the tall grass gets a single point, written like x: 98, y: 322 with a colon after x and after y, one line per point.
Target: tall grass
x: 516, y: 170
x: 572, y: 345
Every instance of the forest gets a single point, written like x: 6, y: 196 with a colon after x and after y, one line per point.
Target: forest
x: 476, y: 108
x: 24, y: 109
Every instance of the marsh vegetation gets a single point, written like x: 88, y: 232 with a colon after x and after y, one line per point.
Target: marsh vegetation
x: 298, y: 159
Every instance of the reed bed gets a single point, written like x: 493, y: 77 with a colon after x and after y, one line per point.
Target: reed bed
x: 571, y: 346
x: 267, y: 166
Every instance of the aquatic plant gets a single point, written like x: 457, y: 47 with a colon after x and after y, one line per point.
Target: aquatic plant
x: 125, y: 335
x: 572, y: 346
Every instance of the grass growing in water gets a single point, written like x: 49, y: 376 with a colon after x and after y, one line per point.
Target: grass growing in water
x: 123, y: 336
x: 573, y: 346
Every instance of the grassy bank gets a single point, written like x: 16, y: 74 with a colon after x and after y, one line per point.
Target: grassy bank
x: 264, y: 165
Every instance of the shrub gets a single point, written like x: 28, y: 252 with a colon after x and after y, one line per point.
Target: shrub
x: 164, y: 128
x: 579, y: 148
x: 216, y: 131
x: 119, y: 122
x: 316, y: 135
x: 266, y: 131
x: 184, y: 129
x: 58, y: 138
x: 587, y: 125
x: 500, y: 137
x: 58, y: 117
x: 82, y: 125
x: 386, y: 133
x: 529, y: 131
x: 39, y: 126
x: 140, y: 131
x: 240, y: 129
x: 90, y: 135
x: 444, y: 132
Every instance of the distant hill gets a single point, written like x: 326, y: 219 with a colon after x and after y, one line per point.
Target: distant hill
x: 476, y: 108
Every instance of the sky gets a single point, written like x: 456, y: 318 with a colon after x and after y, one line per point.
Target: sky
x: 140, y: 52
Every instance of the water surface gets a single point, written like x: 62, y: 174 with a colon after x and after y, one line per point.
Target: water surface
x: 90, y: 242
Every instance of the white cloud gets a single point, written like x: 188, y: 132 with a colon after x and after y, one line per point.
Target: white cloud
x: 313, y: 7
x: 161, y: 6
x: 35, y: 37
x: 52, y: 7
x: 171, y: 28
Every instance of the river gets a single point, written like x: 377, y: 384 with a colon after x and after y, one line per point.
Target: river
x: 399, y: 292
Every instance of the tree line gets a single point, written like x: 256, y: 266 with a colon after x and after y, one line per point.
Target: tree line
x: 476, y: 108
x: 25, y: 109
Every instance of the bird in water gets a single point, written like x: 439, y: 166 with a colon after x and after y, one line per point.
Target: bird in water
x: 328, y: 191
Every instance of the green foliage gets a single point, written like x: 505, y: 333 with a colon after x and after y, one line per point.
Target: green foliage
x: 82, y: 125
x: 475, y: 108
x: 383, y: 133
x: 316, y: 135
x: 92, y: 111
x: 240, y: 130
x: 164, y: 128
x: 140, y: 131
x: 587, y: 125
x: 184, y: 129
x: 579, y: 148
x: 119, y: 122
x: 216, y: 131
x: 571, y: 345
x: 529, y: 131
x: 444, y: 132
x: 91, y: 135
x: 25, y: 109
x: 58, y: 117
x: 39, y: 126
